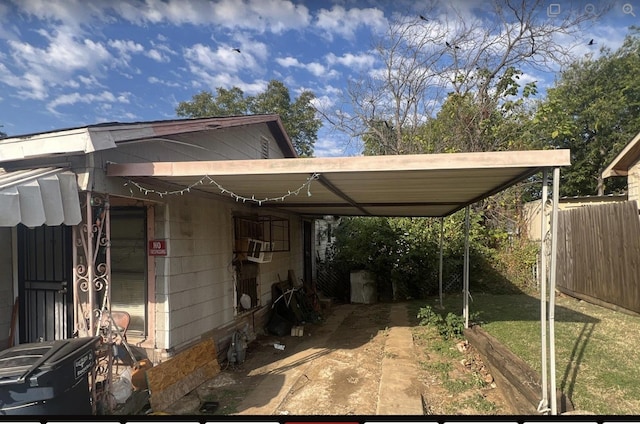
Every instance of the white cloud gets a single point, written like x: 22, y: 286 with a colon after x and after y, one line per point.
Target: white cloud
x: 154, y: 80
x: 274, y: 16
x: 125, y: 47
x: 64, y: 53
x: 316, y: 69
x: 157, y: 56
x: 224, y: 58
x: 70, y: 12
x: 29, y: 85
x: 163, y: 47
x: 52, y: 64
x: 345, y: 23
x: 213, y: 80
x: 73, y: 98
x: 353, y: 61
x: 89, y: 81
x: 288, y: 62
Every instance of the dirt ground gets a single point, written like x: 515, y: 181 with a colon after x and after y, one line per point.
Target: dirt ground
x: 341, y: 376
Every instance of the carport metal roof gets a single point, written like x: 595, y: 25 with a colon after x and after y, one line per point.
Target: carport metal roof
x: 430, y: 185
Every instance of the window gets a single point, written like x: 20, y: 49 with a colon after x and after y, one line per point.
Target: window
x: 257, y: 238
x: 129, y: 265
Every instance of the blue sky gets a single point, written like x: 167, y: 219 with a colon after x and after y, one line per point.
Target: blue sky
x: 77, y: 62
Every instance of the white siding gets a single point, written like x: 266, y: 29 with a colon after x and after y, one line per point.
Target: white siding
x: 222, y: 144
x: 194, y: 282
x: 633, y: 181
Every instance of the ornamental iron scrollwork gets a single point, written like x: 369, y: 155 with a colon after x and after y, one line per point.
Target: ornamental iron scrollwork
x: 92, y: 295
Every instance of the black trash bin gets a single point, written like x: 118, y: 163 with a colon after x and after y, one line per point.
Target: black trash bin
x: 47, y: 378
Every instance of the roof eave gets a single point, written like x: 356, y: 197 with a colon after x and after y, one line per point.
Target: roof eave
x: 619, y: 167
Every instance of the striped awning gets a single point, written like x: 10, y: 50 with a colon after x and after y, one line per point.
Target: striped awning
x: 39, y: 196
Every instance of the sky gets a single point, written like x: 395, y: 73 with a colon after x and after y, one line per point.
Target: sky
x: 71, y: 63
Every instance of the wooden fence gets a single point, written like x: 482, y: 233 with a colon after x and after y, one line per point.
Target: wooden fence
x: 599, y: 254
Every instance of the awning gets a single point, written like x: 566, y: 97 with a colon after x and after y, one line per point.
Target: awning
x: 433, y: 185
x: 39, y: 196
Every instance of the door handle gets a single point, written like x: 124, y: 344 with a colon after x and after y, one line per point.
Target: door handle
x: 63, y: 290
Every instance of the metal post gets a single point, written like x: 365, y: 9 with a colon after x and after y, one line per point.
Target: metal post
x: 90, y: 265
x: 552, y: 289
x: 440, y: 268
x: 543, y: 407
x: 466, y: 269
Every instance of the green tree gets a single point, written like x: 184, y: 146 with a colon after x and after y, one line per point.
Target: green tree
x: 427, y: 63
x: 594, y: 110
x: 298, y: 117
x: 225, y: 103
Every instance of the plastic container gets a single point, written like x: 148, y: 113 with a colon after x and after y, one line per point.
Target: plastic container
x: 47, y: 378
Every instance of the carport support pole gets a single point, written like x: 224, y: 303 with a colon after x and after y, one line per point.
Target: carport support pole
x: 552, y: 288
x: 466, y: 268
x: 440, y: 268
x: 544, y: 403
x: 90, y: 264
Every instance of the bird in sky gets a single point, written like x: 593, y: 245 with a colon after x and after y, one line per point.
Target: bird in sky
x: 423, y: 18
x: 592, y: 42
x: 236, y: 50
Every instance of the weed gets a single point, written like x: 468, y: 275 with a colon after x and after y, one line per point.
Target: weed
x: 480, y: 404
x: 449, y: 327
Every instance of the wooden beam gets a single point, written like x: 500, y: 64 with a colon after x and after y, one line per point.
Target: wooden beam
x: 451, y: 161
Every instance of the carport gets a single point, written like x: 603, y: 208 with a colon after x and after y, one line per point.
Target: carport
x: 436, y: 185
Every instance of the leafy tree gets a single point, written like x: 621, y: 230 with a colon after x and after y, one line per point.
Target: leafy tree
x: 225, y: 103
x: 298, y: 117
x: 594, y: 110
x: 451, y: 60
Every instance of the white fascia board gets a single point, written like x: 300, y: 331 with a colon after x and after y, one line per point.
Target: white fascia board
x: 76, y: 141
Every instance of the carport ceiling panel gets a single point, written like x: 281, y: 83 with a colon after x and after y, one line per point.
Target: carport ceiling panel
x: 451, y: 186
x: 263, y: 186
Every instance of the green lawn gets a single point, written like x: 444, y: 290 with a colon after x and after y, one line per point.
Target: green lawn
x: 597, y: 354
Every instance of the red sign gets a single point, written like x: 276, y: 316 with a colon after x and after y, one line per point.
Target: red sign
x: 157, y: 248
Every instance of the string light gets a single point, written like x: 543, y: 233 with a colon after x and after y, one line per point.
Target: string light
x: 210, y: 181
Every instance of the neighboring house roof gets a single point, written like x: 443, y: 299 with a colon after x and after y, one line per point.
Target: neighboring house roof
x: 96, y: 137
x: 620, y: 166
x: 409, y: 185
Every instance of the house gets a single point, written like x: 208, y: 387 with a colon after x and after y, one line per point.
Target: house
x: 627, y: 164
x: 186, y: 224
x: 166, y: 255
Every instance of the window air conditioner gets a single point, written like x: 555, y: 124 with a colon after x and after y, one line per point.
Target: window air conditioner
x: 256, y: 250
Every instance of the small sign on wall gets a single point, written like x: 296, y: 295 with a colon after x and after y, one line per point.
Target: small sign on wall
x: 157, y: 248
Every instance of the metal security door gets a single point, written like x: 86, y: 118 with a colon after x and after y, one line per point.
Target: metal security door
x: 44, y: 283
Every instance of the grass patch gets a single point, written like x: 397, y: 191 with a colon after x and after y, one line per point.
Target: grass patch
x: 597, y: 359
x: 477, y: 403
